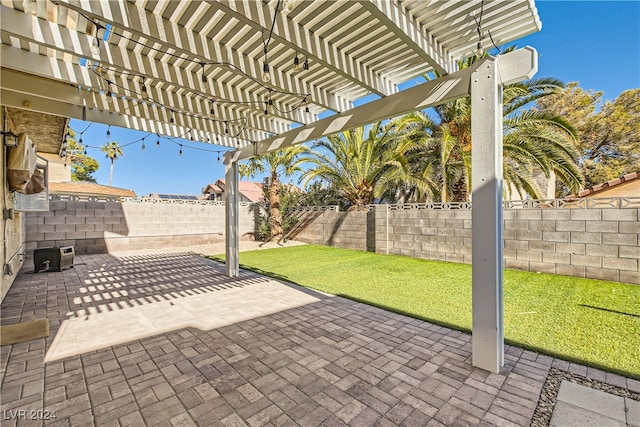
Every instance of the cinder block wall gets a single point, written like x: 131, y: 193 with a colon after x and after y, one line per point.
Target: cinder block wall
x: 99, y: 227
x: 593, y: 243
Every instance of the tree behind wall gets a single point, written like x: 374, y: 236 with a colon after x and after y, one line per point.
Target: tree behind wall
x: 113, y: 152
x: 277, y: 164
x: 608, y: 139
x: 82, y: 165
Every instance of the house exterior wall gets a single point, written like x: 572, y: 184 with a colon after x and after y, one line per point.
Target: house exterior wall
x: 593, y: 243
x: 13, y: 230
x: 625, y: 189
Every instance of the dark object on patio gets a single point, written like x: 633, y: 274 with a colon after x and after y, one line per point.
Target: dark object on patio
x: 56, y: 259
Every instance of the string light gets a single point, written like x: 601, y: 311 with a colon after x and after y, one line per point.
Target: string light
x: 296, y: 63
x: 109, y: 93
x: 158, y: 141
x: 266, y: 75
x: 143, y: 146
x: 108, y: 131
x: 180, y: 152
x: 95, y: 46
x: 213, y: 113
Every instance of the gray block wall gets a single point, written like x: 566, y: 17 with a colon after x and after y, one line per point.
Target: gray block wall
x: 592, y: 243
x: 99, y: 227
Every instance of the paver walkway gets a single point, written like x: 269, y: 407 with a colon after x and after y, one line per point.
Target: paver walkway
x: 169, y: 340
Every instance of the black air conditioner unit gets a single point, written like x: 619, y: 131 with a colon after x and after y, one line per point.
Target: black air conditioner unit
x: 56, y: 259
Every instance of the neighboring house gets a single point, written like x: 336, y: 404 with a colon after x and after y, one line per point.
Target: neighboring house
x: 87, y: 189
x: 249, y: 191
x: 625, y: 186
x: 174, y: 197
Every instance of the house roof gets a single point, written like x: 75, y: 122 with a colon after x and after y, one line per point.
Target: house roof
x: 88, y: 189
x: 65, y: 57
x: 607, y: 185
x: 251, y: 190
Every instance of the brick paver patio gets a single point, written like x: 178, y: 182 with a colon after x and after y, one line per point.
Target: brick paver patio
x: 169, y: 340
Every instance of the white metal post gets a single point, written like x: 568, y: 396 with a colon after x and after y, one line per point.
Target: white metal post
x: 232, y: 224
x: 487, y: 240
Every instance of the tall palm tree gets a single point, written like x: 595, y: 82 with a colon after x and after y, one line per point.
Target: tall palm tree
x: 364, y: 166
x: 113, y: 152
x: 532, y: 141
x: 285, y: 163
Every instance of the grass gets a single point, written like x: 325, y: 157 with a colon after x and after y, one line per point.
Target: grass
x: 592, y: 322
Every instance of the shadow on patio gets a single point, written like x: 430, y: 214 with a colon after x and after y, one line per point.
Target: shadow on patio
x: 170, y: 340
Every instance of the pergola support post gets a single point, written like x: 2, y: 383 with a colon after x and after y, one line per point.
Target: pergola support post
x: 487, y: 211
x: 487, y: 239
x: 232, y: 219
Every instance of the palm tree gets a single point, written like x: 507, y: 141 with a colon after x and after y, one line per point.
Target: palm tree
x: 285, y: 162
x: 364, y: 168
x: 532, y: 140
x: 113, y: 152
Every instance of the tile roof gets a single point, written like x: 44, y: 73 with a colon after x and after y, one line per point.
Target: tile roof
x: 88, y: 189
x: 607, y: 185
x: 251, y: 190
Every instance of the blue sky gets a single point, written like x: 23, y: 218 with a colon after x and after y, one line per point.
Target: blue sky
x: 596, y: 43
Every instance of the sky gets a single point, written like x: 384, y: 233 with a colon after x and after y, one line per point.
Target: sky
x: 596, y: 43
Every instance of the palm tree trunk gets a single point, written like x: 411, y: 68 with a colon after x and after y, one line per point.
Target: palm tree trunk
x: 111, y: 175
x: 275, y: 216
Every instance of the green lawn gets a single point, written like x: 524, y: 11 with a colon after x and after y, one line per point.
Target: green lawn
x: 593, y: 322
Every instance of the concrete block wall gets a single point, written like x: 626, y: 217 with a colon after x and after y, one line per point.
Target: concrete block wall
x: 99, y: 227
x: 592, y: 243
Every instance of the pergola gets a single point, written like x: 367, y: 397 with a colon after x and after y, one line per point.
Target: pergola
x: 255, y: 75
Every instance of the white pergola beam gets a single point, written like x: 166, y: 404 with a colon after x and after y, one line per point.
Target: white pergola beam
x: 407, y: 29
x: 128, y: 17
x: 444, y: 89
x: 287, y: 32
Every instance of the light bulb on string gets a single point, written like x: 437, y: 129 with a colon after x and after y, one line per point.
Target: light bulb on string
x: 80, y: 140
x: 190, y: 135
x: 218, y: 155
x: 213, y: 113
x: 158, y: 141
x: 171, y: 119
x: 288, y: 6
x: 266, y: 75
x: 95, y: 46
x: 203, y: 78
x: 296, y: 63
x: 144, y: 88
x: 305, y: 65
x: 108, y: 131
x: 180, y: 152
x: 143, y: 146
x: 226, y: 128
x: 85, y: 151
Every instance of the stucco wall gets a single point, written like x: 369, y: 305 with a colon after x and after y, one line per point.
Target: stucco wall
x: 593, y: 243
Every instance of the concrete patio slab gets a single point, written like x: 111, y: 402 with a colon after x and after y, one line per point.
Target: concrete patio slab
x: 168, y: 340
x: 578, y: 405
